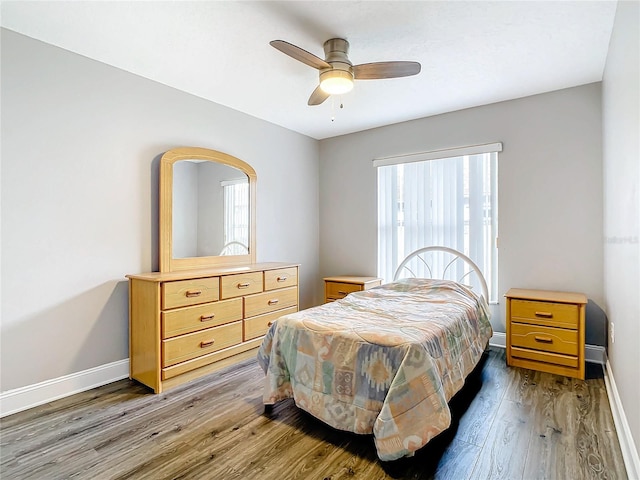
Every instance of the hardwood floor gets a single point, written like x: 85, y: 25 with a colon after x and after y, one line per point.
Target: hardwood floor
x: 508, y: 423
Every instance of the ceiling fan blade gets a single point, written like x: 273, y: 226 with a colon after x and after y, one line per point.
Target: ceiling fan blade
x: 373, y: 71
x: 299, y: 54
x: 318, y: 96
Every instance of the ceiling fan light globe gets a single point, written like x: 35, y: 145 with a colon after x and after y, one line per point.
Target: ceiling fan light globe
x: 336, y: 82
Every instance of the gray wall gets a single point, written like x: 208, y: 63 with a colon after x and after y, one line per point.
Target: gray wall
x: 80, y: 148
x: 211, y: 205
x: 621, y: 138
x: 185, y: 200
x: 549, y: 189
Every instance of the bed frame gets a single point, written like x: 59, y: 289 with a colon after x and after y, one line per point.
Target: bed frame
x: 442, y: 263
x: 463, y: 327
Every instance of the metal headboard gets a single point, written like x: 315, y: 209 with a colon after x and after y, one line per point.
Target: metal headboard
x: 234, y: 248
x: 420, y: 257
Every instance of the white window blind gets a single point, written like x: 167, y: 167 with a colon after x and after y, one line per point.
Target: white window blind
x: 432, y: 200
x: 236, y: 217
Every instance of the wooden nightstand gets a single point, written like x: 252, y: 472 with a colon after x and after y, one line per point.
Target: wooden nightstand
x: 339, y: 287
x: 545, y: 331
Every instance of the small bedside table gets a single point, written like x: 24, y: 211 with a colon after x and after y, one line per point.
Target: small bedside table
x: 545, y: 331
x: 339, y: 287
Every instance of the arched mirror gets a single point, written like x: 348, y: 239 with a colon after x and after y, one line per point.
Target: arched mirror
x: 207, y: 210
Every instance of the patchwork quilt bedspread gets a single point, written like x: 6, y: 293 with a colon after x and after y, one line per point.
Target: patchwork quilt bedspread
x: 384, y: 361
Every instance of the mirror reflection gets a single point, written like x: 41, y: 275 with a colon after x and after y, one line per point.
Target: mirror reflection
x: 210, y: 209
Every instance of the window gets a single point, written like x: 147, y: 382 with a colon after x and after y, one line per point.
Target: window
x: 425, y: 199
x: 236, y: 217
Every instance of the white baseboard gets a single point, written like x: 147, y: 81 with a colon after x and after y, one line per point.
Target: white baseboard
x: 23, y: 398
x: 592, y: 353
x: 627, y: 445
x: 499, y: 339
x: 595, y: 354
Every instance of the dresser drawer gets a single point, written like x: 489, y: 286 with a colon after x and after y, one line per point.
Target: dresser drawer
x: 336, y: 290
x: 192, y: 345
x: 270, y: 301
x: 281, y: 278
x: 545, y: 313
x: 190, y: 292
x: 255, y: 327
x: 190, y: 319
x: 548, y: 339
x: 241, y: 284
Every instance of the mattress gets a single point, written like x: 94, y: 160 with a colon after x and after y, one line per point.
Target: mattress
x: 384, y: 361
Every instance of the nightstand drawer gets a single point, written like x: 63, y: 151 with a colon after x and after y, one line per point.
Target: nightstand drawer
x: 337, y: 290
x: 545, y: 358
x: 550, y: 314
x: 547, y: 339
x: 189, y: 292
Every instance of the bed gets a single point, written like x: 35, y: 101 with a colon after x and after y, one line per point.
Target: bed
x: 384, y: 361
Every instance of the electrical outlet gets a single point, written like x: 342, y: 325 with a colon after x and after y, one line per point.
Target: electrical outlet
x: 612, y: 332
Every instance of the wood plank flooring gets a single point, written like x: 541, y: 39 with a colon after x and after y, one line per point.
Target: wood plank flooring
x: 508, y: 423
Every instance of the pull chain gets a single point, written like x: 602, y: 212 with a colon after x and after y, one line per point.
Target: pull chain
x: 333, y: 108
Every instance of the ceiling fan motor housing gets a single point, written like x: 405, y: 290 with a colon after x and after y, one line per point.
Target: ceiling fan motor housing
x: 335, y: 52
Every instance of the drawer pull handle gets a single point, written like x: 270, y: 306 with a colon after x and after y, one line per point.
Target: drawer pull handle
x: 273, y: 302
x: 544, y: 314
x: 206, y: 318
x: 193, y: 293
x: 543, y: 339
x: 206, y: 344
x: 269, y: 324
x: 244, y: 285
x: 342, y: 293
x: 281, y: 279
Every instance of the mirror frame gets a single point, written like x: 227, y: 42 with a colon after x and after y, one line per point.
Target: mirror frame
x: 167, y: 262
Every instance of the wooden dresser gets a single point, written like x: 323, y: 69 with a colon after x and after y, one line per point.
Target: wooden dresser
x: 545, y: 331
x: 339, y: 287
x: 185, y: 324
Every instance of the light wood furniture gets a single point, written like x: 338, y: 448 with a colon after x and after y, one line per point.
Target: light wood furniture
x: 202, y: 313
x: 339, y: 287
x: 168, y: 262
x: 545, y: 331
x: 190, y: 323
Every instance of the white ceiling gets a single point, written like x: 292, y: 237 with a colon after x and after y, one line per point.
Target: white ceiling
x: 472, y: 53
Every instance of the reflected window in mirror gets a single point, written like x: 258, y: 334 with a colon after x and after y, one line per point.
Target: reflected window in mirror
x: 236, y: 217
x: 210, y: 209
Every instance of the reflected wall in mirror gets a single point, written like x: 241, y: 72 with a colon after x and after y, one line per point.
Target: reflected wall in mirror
x: 210, y: 209
x: 207, y: 210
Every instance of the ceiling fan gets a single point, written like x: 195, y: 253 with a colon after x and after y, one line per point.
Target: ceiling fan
x: 337, y: 73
